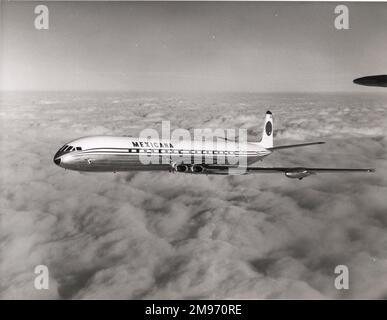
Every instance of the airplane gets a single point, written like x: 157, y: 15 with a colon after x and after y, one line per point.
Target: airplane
x: 372, y: 81
x: 122, y: 153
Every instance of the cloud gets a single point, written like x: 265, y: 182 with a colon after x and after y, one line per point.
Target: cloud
x: 158, y: 235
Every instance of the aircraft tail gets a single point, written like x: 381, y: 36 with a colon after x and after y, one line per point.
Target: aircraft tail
x: 267, y: 133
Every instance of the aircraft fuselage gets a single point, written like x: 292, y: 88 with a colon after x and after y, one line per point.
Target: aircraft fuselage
x: 112, y: 154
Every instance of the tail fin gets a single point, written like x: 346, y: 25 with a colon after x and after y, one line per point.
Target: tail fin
x: 267, y: 133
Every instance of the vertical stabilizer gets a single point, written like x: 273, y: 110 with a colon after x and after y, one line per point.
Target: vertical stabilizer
x: 267, y: 133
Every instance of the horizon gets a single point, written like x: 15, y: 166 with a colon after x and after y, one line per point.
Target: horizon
x: 372, y: 91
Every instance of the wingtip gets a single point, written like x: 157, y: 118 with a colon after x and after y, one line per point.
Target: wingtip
x: 371, y: 170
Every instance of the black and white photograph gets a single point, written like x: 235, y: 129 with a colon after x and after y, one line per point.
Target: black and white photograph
x: 193, y: 150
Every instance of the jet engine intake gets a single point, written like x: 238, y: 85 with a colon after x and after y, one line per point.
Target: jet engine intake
x: 197, y: 168
x: 181, y: 168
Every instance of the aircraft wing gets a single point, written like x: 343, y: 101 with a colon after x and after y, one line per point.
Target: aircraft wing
x: 290, y: 172
x: 372, y: 81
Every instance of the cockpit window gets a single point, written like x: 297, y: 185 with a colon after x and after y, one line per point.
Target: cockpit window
x: 66, y: 149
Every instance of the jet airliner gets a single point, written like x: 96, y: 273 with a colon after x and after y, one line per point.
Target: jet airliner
x: 113, y: 154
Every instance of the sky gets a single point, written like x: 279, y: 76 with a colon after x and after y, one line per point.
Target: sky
x: 185, y: 46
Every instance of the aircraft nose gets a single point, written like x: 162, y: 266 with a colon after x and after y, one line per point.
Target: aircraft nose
x: 57, y: 158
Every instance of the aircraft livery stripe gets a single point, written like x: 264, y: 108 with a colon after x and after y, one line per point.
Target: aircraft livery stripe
x: 174, y: 151
x: 170, y: 154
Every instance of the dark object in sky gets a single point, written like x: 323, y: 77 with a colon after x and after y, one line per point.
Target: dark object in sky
x: 372, y: 81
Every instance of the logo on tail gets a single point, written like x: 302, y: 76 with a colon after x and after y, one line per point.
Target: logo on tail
x: 269, y: 128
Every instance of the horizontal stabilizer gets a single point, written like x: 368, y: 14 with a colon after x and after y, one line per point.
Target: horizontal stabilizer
x: 295, y: 145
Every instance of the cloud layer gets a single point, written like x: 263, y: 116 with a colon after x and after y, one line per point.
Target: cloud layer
x: 159, y: 235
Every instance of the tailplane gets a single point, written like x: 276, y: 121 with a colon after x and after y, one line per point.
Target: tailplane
x: 268, y: 132
x: 296, y: 145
